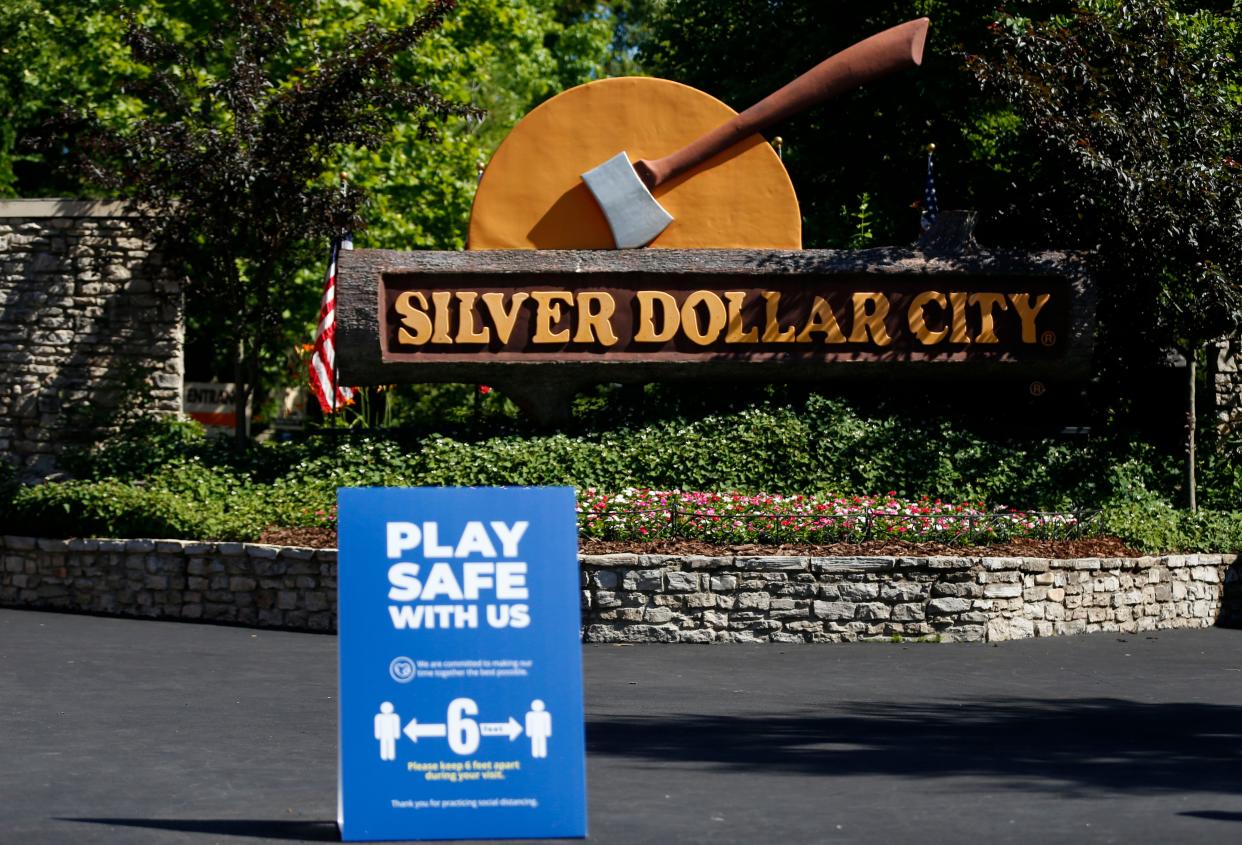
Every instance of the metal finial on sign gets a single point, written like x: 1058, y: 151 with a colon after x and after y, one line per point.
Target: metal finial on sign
x: 931, y: 205
x: 779, y: 143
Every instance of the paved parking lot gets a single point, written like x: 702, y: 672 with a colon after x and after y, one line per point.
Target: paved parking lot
x: 124, y: 731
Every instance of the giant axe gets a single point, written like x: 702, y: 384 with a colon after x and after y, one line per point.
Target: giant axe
x: 623, y: 190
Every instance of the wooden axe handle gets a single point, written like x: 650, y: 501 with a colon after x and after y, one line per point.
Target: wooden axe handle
x: 881, y: 54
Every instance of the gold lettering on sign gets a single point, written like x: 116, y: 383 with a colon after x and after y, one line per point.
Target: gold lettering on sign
x: 772, y: 332
x: 466, y: 332
x: 987, y: 327
x: 716, y: 319
x: 870, y: 321
x: 738, y: 332
x: 548, y: 313
x: 596, y: 326
x: 1027, y: 312
x: 413, y: 318
x: 441, y: 301
x: 957, y: 299
x: 671, y: 319
x: 918, y: 317
x: 504, y: 320
x: 821, y: 319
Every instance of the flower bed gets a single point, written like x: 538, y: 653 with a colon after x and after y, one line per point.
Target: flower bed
x: 732, y: 518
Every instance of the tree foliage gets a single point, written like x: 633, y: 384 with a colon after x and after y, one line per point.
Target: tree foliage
x: 869, y: 142
x: 228, y: 159
x: 1138, y: 105
x: 53, y: 54
x: 502, y: 56
x: 990, y: 155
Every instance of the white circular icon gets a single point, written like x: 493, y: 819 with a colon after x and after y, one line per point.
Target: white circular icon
x: 401, y: 669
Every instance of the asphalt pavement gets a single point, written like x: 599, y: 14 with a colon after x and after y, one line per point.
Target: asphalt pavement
x: 125, y: 731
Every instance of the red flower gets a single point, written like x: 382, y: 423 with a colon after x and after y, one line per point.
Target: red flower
x: 484, y: 389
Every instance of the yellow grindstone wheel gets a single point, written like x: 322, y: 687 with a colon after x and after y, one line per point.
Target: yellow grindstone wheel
x: 532, y: 195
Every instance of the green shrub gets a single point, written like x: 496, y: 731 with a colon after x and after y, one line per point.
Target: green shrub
x: 1155, y: 527
x: 142, y: 447
x: 163, y: 478
x: 98, y: 509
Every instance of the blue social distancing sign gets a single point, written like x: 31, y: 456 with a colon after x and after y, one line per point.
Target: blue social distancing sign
x: 460, y: 664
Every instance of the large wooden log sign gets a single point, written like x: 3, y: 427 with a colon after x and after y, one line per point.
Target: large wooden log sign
x: 546, y: 323
x: 543, y: 303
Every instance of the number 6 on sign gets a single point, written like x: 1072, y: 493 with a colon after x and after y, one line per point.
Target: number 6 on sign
x: 463, y: 733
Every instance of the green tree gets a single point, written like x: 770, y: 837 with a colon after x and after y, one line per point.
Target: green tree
x: 1138, y: 105
x: 53, y: 54
x: 627, y: 23
x: 504, y: 56
x: 228, y: 159
x: 872, y: 141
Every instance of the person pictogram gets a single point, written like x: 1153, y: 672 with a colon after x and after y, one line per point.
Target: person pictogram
x: 538, y: 728
x: 387, y: 730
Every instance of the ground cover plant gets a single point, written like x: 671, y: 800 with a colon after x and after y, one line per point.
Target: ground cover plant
x: 782, y: 460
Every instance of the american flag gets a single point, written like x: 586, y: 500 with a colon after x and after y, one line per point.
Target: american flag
x: 931, y: 208
x: 323, y: 361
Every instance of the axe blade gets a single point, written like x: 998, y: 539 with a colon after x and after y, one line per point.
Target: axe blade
x: 632, y: 212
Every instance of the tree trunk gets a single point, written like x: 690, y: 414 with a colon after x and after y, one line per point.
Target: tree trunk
x: 1191, y: 377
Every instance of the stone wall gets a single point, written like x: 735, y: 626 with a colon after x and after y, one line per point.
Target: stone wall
x: 90, y: 326
x: 656, y: 598
x: 243, y: 583
x: 653, y: 598
x: 1226, y: 376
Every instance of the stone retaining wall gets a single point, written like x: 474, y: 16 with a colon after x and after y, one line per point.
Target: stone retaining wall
x: 244, y: 583
x: 1226, y: 377
x: 644, y: 598
x: 658, y: 598
x: 90, y: 325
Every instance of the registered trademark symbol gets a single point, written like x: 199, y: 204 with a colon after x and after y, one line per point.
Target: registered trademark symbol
x: 1037, y: 388
x: 1048, y: 338
x: 401, y: 669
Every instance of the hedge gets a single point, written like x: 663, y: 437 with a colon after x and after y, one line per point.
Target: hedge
x: 162, y: 478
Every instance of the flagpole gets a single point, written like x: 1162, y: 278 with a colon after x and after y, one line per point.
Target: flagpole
x: 324, y: 373
x: 336, y: 257
x: 335, y: 252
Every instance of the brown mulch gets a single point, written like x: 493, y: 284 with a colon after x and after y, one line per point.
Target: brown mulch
x: 309, y: 538
x: 325, y: 538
